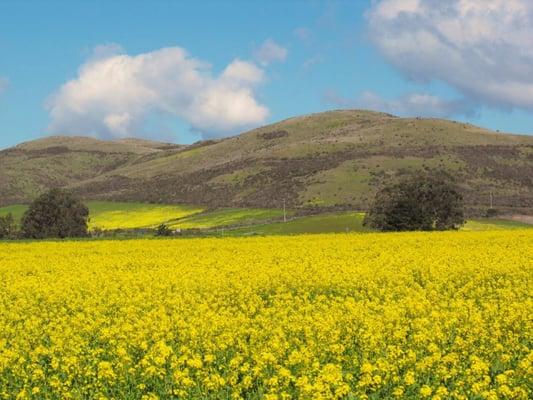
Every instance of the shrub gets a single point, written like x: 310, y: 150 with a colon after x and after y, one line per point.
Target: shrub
x: 163, y: 230
x: 423, y: 201
x: 55, y: 214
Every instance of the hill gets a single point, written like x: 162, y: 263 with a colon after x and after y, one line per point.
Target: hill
x: 335, y: 159
x: 62, y: 161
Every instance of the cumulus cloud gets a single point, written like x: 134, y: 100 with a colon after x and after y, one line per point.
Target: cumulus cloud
x: 115, y: 93
x: 482, y: 48
x: 411, y: 104
x: 270, y: 52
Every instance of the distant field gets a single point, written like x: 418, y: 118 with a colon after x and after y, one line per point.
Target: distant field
x: 114, y: 215
x: 227, y: 217
x: 245, y: 221
x: 324, y: 223
x: 122, y: 215
x: 353, y: 222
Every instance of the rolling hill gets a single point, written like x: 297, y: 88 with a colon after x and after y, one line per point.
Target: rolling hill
x: 330, y: 160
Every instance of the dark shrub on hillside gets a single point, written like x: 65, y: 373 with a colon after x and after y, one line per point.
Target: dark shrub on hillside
x: 7, y: 226
x: 422, y: 201
x: 55, y: 214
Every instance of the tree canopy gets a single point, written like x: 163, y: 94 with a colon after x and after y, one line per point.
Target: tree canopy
x: 55, y: 214
x: 422, y: 201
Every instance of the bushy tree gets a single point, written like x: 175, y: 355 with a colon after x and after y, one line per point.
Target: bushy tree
x: 421, y: 201
x: 7, y: 226
x: 55, y: 214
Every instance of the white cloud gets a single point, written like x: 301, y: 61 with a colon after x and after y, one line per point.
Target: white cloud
x: 243, y: 72
x: 411, y: 104
x: 482, y: 48
x: 4, y: 83
x: 114, y: 94
x: 270, y: 52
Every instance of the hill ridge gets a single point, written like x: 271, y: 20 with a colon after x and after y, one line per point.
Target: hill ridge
x: 335, y: 159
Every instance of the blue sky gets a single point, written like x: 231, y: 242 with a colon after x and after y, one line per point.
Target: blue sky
x: 97, y: 67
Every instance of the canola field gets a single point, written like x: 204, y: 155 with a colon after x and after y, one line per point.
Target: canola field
x: 117, y: 215
x: 348, y: 316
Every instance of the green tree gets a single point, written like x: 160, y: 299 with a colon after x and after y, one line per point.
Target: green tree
x: 422, y: 201
x: 55, y: 214
x: 7, y: 226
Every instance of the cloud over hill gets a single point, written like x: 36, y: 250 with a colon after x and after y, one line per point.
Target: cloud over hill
x: 115, y: 93
x: 481, y: 48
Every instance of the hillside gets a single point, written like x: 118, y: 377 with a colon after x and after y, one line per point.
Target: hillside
x: 332, y: 159
x: 59, y: 161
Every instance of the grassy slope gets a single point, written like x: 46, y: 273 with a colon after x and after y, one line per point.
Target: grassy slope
x: 312, y: 163
x: 31, y: 167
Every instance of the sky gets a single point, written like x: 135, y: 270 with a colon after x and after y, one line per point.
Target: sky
x: 182, y: 71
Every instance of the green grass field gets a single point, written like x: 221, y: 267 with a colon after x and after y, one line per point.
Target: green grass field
x: 324, y: 223
x: 227, y: 217
x: 353, y: 222
x: 17, y: 211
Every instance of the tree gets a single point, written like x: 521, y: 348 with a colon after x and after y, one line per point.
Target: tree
x: 424, y: 201
x: 55, y: 214
x: 7, y: 226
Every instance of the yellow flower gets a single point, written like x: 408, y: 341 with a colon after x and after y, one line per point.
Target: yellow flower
x: 398, y: 392
x: 425, y: 391
x: 409, y: 378
x: 105, y: 370
x: 501, y: 379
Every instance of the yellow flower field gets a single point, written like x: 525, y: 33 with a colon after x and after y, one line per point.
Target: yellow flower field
x: 417, y: 315
x: 116, y: 215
